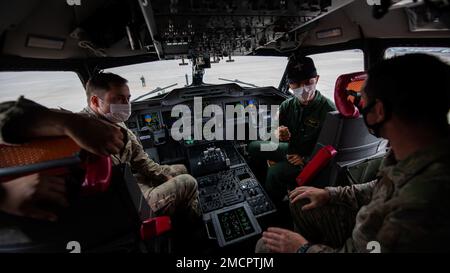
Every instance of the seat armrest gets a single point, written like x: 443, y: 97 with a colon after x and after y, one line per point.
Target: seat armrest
x: 154, y: 227
x: 316, y: 164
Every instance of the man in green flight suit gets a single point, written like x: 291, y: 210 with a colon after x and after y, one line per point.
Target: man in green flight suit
x: 300, y: 121
x: 406, y: 209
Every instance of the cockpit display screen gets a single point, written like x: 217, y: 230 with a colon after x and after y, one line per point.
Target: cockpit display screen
x: 150, y: 120
x: 251, y: 103
x: 235, y: 224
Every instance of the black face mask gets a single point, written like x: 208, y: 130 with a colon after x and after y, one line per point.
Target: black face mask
x: 374, y: 129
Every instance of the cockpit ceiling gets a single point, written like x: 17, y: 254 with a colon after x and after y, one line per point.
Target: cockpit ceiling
x: 60, y: 29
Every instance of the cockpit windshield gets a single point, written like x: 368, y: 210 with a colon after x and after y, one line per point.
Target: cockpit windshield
x: 156, y: 78
x: 63, y: 89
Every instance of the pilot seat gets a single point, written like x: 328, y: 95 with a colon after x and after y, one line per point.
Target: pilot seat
x: 345, y: 153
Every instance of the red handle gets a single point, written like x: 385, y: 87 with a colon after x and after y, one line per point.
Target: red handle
x: 154, y: 227
x: 320, y: 160
x: 98, y: 174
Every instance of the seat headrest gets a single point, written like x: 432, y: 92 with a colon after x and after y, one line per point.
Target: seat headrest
x: 53, y: 156
x: 37, y: 151
x: 347, y: 93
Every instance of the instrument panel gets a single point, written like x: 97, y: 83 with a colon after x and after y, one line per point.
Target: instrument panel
x: 152, y: 119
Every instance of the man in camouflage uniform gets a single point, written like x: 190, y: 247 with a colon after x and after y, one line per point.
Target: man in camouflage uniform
x: 408, y: 208
x: 168, y: 189
x: 300, y: 119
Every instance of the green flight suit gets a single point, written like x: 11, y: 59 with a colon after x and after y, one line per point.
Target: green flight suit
x: 304, y: 123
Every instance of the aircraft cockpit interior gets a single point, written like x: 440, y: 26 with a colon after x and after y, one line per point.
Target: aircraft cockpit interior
x: 204, y: 82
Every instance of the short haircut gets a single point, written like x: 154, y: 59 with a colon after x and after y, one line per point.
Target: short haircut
x: 414, y: 87
x: 100, y: 83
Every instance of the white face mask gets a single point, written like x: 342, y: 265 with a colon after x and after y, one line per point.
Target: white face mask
x: 305, y: 93
x: 118, y: 112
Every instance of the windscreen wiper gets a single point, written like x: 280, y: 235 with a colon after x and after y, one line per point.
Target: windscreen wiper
x: 238, y: 81
x: 157, y: 89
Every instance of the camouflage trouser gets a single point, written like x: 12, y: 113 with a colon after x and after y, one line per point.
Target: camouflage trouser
x: 330, y: 225
x: 178, y: 194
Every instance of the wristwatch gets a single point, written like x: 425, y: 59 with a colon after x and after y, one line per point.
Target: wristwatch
x: 303, y: 248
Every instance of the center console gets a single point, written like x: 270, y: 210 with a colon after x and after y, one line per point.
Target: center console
x: 230, y: 196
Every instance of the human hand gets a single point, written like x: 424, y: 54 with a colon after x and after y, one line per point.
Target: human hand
x: 295, y: 160
x: 281, y: 240
x: 282, y: 133
x: 271, y: 163
x: 317, y: 197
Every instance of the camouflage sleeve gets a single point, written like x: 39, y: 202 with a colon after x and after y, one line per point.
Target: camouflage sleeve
x: 153, y: 173
x: 318, y: 248
x: 354, y: 196
x: 11, y: 111
x: 406, y: 231
x: 418, y: 220
x: 347, y: 248
x: 414, y: 224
